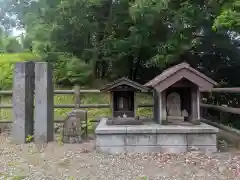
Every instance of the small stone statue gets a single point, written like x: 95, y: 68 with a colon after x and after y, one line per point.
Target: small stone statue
x: 72, y: 126
x: 185, y: 114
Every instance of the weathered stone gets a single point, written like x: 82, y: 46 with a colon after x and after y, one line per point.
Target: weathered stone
x: 124, y: 121
x: 142, y: 149
x: 173, y: 149
x: 72, y: 128
x: 206, y: 149
x: 113, y: 140
x: 111, y: 150
x: 195, y: 121
x: 184, y: 113
x: 164, y: 122
x: 149, y: 128
x: 44, y: 107
x: 202, y: 139
x: 173, y: 104
x: 153, y: 137
x: 171, y: 140
x: 141, y: 139
x: 23, y: 89
x: 40, y: 142
x: 176, y: 129
x: 103, y: 128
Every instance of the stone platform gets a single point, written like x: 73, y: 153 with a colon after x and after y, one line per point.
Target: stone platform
x: 152, y: 137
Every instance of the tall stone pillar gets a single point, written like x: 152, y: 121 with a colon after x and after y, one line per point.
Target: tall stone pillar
x: 23, y: 101
x: 44, y: 107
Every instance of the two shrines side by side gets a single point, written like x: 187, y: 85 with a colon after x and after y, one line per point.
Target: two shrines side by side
x: 176, y: 96
x: 32, y: 79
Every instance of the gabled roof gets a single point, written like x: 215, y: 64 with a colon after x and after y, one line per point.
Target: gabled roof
x: 175, y: 69
x: 125, y: 81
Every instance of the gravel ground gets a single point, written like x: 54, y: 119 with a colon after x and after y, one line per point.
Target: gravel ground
x: 80, y: 161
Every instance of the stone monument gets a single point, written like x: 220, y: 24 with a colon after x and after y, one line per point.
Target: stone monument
x: 44, y: 106
x: 173, y: 104
x: 72, y: 127
x: 23, y: 101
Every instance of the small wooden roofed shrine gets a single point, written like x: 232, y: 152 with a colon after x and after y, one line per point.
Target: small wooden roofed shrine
x: 176, y: 93
x: 123, y: 98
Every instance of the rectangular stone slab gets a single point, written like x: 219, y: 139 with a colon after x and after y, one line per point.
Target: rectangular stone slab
x: 44, y: 107
x: 23, y: 90
x: 152, y: 137
x: 103, y: 128
x: 123, y: 122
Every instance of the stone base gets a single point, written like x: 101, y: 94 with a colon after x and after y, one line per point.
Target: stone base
x: 72, y: 139
x: 153, y: 137
x: 124, y: 121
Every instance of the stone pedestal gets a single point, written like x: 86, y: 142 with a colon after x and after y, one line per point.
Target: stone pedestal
x: 22, y: 100
x: 44, y: 106
x: 155, y: 138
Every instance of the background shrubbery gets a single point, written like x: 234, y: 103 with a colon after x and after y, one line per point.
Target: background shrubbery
x: 7, y: 62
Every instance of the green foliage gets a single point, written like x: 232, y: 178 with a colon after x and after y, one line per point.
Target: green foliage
x: 68, y: 68
x: 110, y: 39
x: 7, y: 62
x: 9, y: 43
x: 12, y: 45
x: 79, y: 72
x: 142, y: 178
x: 5, y: 176
x: 229, y: 18
x: 29, y: 138
x: 71, y: 178
x: 60, y: 139
x: 19, y: 177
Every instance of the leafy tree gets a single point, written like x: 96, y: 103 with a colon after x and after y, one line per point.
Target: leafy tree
x: 229, y: 18
x: 137, y: 38
x: 12, y: 45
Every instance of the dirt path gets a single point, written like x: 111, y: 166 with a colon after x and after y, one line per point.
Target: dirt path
x: 80, y: 161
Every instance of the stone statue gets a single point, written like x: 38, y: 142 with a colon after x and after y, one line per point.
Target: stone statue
x: 174, y: 104
x: 72, y: 126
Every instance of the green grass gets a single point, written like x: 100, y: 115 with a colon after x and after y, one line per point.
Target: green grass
x: 18, y: 57
x: 88, y: 98
x: 7, y: 62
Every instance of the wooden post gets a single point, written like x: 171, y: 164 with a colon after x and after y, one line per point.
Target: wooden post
x: 77, y: 106
x: 77, y: 96
x: 135, y: 105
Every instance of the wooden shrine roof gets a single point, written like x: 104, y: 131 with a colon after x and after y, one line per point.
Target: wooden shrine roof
x: 125, y: 81
x: 178, y: 69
